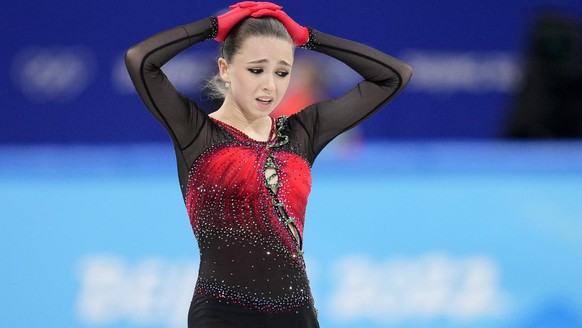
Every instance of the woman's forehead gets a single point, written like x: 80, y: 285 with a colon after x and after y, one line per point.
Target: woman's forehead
x: 266, y: 48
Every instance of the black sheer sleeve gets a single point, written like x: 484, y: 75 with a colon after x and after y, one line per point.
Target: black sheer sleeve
x: 384, y: 77
x: 181, y: 117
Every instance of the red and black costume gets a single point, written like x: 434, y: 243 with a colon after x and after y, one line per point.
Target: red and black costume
x: 246, y: 199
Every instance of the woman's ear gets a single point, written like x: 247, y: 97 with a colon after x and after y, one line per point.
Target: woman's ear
x: 223, y: 69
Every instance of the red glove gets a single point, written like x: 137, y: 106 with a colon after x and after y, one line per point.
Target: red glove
x: 238, y: 12
x: 299, y: 34
x: 255, y: 4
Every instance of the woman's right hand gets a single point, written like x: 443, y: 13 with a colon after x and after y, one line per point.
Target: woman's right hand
x: 238, y: 12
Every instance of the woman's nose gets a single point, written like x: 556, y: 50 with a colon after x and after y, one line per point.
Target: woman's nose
x: 269, y: 83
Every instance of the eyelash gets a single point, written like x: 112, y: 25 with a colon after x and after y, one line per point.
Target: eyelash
x: 260, y: 70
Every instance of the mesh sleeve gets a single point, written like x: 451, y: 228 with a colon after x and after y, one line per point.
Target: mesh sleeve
x: 384, y: 77
x: 180, y: 116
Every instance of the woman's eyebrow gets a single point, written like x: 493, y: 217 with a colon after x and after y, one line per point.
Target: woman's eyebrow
x: 262, y: 61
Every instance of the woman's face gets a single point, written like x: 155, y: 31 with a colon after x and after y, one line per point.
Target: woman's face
x: 258, y: 74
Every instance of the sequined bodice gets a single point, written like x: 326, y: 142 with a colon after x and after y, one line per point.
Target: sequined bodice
x: 246, y: 203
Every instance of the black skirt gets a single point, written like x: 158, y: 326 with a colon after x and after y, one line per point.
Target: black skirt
x: 209, y: 312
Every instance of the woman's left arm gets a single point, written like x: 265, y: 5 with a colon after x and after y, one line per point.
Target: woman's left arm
x: 384, y: 77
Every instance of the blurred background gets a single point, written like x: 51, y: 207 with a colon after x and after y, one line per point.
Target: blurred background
x: 458, y: 205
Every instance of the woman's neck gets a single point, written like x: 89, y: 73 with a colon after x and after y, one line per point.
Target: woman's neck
x: 257, y: 128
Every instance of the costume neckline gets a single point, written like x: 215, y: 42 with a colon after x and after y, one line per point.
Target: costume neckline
x: 245, y: 137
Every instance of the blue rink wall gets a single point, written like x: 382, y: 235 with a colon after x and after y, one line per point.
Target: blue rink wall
x: 64, y: 81
x: 398, y: 235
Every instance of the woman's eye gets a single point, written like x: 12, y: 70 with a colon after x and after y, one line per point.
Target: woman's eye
x: 256, y: 70
x: 282, y: 73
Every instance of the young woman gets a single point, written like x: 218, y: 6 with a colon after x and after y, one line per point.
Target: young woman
x: 245, y: 176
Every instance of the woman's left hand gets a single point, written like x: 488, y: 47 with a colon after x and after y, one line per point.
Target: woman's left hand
x: 299, y: 34
x: 238, y: 12
x: 256, y: 5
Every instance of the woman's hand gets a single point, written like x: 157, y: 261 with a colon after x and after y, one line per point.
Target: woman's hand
x: 257, y: 5
x: 299, y: 34
x: 238, y: 12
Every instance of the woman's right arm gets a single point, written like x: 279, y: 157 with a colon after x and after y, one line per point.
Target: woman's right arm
x: 181, y: 117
